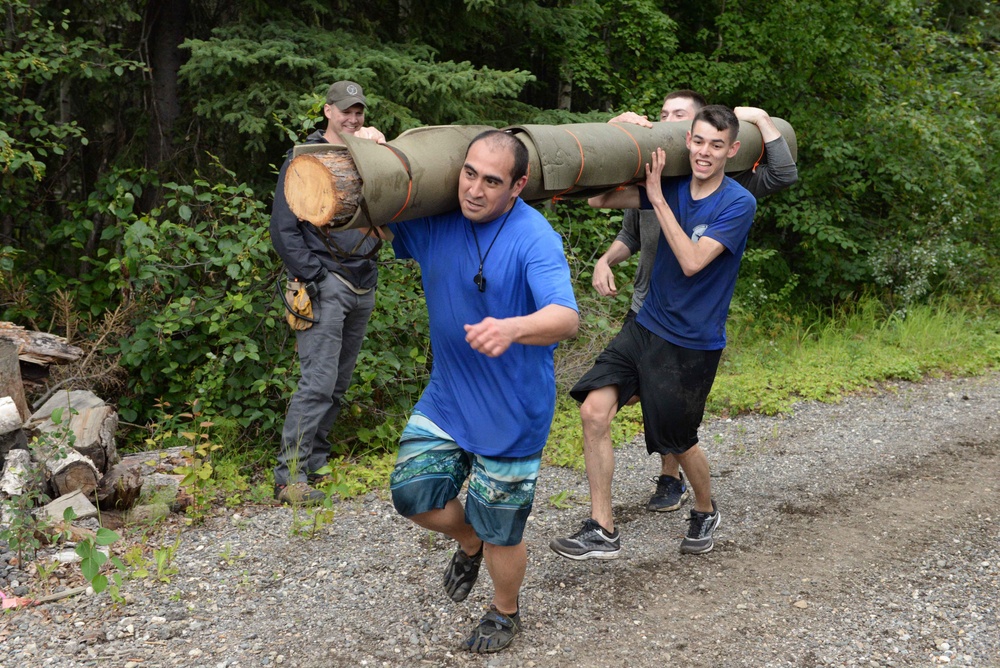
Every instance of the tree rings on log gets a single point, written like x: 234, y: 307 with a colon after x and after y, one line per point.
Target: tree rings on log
x: 323, y: 188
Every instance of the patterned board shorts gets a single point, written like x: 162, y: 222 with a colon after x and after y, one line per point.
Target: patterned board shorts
x: 431, y: 468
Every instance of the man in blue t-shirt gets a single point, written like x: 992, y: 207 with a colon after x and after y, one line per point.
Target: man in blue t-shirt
x: 774, y: 171
x: 499, y: 298
x: 669, y: 353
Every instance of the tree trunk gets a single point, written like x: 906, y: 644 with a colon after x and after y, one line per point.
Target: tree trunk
x: 166, y: 24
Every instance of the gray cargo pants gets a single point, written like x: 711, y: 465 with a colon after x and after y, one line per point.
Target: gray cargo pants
x: 327, y: 352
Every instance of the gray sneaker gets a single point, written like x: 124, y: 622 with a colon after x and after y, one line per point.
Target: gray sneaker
x: 592, y: 541
x: 670, y: 494
x: 700, y: 530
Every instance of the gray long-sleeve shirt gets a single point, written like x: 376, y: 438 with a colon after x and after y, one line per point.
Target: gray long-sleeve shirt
x: 641, y: 230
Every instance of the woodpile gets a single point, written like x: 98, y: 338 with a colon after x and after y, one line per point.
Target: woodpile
x: 65, y: 450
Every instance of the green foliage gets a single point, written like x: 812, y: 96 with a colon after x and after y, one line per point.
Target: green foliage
x: 890, y: 189
x: 20, y: 524
x: 202, y: 271
x: 42, y: 62
x: 774, y: 361
x: 93, y: 558
x: 249, y: 75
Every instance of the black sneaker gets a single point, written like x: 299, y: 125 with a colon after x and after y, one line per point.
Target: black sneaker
x: 592, y: 541
x: 700, y: 530
x: 670, y: 494
x: 461, y: 574
x: 495, y: 631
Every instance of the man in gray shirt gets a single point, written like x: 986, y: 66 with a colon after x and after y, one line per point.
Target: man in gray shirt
x: 641, y: 231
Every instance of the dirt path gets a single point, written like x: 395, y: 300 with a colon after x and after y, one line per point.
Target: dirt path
x: 888, y: 555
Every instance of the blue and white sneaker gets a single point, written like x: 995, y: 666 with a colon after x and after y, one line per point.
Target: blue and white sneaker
x: 670, y: 494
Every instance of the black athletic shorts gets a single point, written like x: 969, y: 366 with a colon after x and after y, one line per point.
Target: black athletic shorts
x: 672, y: 382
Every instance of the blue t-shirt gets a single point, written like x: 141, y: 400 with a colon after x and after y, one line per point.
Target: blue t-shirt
x: 691, y: 311
x: 494, y: 406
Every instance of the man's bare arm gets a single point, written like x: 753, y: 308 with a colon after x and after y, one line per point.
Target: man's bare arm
x: 604, y: 278
x: 627, y: 198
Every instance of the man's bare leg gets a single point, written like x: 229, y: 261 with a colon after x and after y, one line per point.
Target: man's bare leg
x: 695, y: 465
x: 506, y: 564
x: 596, y: 413
x: 450, y: 521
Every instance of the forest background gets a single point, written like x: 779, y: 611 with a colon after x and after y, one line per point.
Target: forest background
x: 139, y: 142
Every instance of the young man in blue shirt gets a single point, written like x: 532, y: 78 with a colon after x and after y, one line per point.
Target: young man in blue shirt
x: 640, y: 231
x: 669, y: 353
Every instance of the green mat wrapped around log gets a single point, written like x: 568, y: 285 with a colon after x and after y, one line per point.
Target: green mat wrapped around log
x: 360, y: 183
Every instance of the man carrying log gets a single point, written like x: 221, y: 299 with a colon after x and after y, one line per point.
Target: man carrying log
x: 775, y: 171
x: 499, y: 297
x: 668, y: 354
x: 332, y: 279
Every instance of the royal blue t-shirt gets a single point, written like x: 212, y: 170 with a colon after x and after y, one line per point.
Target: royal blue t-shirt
x: 691, y: 311
x: 494, y: 406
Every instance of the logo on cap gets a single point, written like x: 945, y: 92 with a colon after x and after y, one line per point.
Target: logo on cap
x: 352, y: 90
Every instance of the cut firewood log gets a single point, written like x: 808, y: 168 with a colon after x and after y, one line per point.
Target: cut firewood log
x: 160, y: 461
x: 71, y: 472
x: 120, y: 488
x: 325, y: 187
x: 85, y: 415
x: 81, y: 505
x: 20, y: 474
x: 39, y: 347
x: 64, y: 531
x: 11, y: 434
x: 11, y: 384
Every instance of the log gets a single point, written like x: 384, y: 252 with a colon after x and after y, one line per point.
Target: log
x: 70, y: 473
x: 417, y: 173
x: 20, y: 474
x: 11, y: 384
x: 120, y: 488
x: 333, y: 186
x: 91, y: 421
x: 160, y: 461
x: 413, y: 175
x: 81, y: 505
x: 11, y: 434
x: 39, y: 347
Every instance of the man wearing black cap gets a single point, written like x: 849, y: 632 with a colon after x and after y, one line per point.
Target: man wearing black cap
x: 334, y: 274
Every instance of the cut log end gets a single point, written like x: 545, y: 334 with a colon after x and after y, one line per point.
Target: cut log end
x: 323, y: 188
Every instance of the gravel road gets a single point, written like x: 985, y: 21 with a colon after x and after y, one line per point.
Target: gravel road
x: 864, y: 533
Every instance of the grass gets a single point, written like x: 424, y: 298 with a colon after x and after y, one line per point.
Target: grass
x: 770, y: 366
